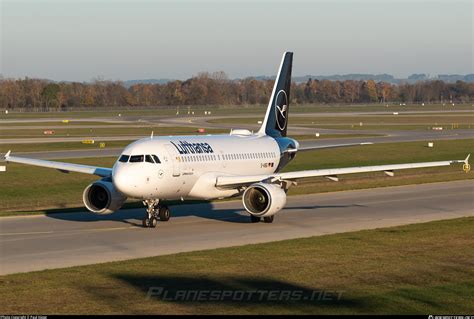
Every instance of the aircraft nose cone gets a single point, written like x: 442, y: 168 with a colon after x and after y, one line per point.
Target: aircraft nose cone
x: 120, y: 181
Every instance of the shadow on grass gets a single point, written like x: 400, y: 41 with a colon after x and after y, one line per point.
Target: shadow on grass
x: 237, y: 291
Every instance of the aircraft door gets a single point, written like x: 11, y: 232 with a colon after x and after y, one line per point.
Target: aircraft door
x: 174, y: 158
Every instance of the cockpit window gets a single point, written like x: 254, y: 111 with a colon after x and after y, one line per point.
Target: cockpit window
x: 157, y: 160
x: 136, y: 158
x: 149, y: 159
x: 124, y: 158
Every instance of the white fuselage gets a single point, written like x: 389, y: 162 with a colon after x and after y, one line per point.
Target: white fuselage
x: 189, y: 165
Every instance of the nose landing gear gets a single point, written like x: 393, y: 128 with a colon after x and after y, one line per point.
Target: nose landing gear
x: 155, y: 211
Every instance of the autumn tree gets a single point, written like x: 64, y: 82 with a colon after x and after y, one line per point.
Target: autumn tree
x: 50, y: 95
x: 372, y: 91
x: 217, y: 89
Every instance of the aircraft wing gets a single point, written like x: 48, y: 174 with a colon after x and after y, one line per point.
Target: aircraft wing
x: 61, y: 166
x: 331, y: 173
x: 319, y: 147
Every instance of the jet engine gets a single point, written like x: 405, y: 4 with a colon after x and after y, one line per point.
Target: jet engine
x: 264, y: 200
x: 102, y: 198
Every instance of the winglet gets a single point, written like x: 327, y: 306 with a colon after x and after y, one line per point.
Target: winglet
x: 7, y: 155
x: 466, y: 167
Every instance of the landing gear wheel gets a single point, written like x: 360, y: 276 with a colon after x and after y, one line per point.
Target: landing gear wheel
x: 254, y: 219
x: 268, y: 219
x: 146, y: 222
x: 153, y: 222
x: 164, y: 213
x: 150, y: 219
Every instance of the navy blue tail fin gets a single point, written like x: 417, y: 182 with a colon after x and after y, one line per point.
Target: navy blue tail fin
x: 276, y: 118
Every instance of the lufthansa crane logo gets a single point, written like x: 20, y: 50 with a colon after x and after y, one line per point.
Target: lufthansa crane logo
x: 281, y: 109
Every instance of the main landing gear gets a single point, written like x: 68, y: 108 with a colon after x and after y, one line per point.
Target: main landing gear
x: 155, y: 212
x: 255, y: 219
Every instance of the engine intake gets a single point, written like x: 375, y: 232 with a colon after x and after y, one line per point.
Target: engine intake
x: 264, y: 200
x: 102, y: 198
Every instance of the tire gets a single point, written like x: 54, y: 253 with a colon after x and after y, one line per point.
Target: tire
x: 146, y: 222
x: 164, y: 213
x: 254, y: 219
x: 153, y: 222
x: 268, y: 219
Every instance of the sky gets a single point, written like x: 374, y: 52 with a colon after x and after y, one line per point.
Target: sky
x: 79, y: 40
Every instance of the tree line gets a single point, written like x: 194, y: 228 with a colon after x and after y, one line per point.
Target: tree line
x: 217, y: 89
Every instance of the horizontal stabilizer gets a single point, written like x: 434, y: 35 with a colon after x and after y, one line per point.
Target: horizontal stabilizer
x: 320, y: 147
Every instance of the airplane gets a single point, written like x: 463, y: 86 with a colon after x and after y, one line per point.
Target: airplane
x: 207, y: 167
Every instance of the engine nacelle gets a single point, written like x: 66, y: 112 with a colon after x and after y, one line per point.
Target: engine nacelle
x: 102, y: 198
x: 263, y: 199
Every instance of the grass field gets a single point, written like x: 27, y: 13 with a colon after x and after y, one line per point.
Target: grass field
x: 416, y: 269
x: 59, y: 122
x: 387, y: 127
x: 28, y: 188
x: 59, y: 146
x: 241, y: 109
x: 323, y: 136
x: 104, y: 131
x: 372, y: 122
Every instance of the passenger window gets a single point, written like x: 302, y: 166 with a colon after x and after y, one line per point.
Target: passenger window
x: 136, y: 158
x: 149, y: 159
x: 124, y: 158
